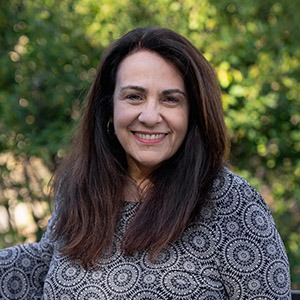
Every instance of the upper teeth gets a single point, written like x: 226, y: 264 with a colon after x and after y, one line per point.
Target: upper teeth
x: 149, y: 136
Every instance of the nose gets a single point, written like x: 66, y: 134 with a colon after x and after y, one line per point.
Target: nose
x: 150, y: 114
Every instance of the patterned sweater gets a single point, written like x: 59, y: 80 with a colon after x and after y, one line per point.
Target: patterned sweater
x: 232, y: 251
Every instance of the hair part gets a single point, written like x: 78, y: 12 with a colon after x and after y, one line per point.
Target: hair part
x: 93, y: 175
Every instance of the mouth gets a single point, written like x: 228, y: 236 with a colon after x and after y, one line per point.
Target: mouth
x: 149, y: 137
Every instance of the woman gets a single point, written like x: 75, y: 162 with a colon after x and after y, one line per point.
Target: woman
x: 145, y: 207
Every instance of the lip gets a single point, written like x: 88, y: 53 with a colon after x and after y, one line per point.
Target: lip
x: 149, y: 137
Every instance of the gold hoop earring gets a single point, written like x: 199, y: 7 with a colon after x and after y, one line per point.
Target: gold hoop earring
x: 110, y: 128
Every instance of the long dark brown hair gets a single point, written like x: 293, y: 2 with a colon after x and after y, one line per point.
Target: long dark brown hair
x: 89, y: 183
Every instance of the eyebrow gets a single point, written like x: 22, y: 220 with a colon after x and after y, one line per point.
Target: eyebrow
x: 141, y: 89
x: 133, y: 87
x: 174, y: 91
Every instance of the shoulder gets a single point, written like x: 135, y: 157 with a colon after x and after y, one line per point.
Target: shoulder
x: 248, y: 246
x: 225, y: 182
x: 238, y: 212
x: 231, y: 194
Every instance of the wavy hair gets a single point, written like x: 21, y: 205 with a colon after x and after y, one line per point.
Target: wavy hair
x: 94, y: 173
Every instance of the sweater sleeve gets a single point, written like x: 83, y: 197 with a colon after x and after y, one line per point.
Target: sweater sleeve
x: 23, y: 268
x: 251, y: 256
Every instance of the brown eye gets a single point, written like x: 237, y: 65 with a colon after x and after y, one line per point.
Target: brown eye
x: 171, y: 100
x: 134, y: 97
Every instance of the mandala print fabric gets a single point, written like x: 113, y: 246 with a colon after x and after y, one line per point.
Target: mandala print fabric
x: 232, y: 251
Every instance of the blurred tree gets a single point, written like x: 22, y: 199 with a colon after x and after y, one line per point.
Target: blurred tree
x: 48, y: 55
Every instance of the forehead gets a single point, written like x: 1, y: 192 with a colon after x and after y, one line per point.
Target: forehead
x: 145, y: 65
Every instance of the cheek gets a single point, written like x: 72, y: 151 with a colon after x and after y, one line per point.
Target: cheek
x: 122, y: 120
x: 182, y: 132
x: 182, y: 136
x: 119, y: 118
x: 182, y: 124
x: 119, y: 125
x: 124, y: 115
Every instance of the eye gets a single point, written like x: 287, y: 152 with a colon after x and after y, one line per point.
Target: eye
x: 134, y: 97
x: 171, y: 100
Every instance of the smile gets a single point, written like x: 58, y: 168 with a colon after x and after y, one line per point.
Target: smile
x: 150, y: 137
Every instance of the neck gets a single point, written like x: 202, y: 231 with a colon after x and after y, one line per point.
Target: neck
x: 135, y: 192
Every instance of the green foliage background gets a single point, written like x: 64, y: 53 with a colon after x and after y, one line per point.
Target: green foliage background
x: 48, y: 56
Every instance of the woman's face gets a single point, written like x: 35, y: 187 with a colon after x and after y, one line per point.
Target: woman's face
x: 150, y: 111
